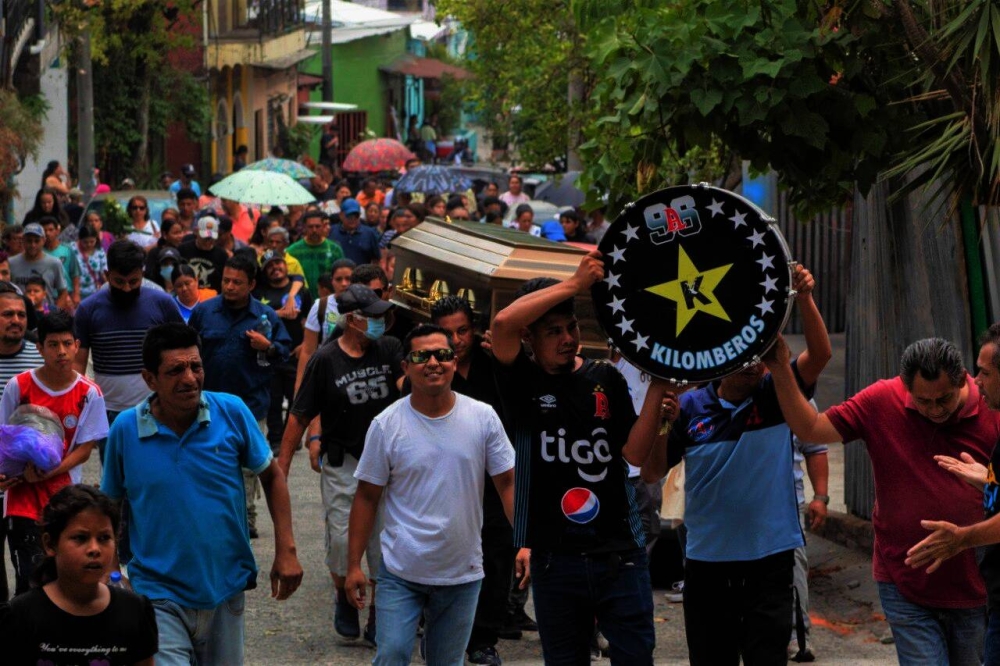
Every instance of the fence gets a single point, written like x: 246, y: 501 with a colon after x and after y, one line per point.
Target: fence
x: 823, y: 245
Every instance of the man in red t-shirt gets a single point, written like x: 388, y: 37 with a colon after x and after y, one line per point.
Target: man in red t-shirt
x: 933, y: 408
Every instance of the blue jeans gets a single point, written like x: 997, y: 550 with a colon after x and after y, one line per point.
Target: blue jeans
x: 932, y: 636
x: 211, y: 637
x: 448, y: 610
x: 571, y: 590
x: 993, y: 639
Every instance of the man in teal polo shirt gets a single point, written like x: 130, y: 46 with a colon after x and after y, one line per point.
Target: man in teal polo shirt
x: 193, y: 558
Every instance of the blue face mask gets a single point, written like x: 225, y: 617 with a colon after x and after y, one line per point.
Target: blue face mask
x: 376, y: 329
x: 166, y: 272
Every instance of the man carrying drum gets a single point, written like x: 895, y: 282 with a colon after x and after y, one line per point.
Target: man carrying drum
x: 741, y: 510
x: 572, y: 423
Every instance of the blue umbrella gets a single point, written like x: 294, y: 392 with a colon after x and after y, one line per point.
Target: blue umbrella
x: 433, y: 179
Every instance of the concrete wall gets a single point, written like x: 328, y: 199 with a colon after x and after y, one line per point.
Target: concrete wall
x: 54, y: 86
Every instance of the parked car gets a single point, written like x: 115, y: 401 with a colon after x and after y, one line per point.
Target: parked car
x: 158, y: 200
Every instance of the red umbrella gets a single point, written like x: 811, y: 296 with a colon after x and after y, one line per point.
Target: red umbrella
x: 377, y: 155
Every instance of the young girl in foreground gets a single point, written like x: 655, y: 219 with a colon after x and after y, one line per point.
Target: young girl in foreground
x: 70, y: 617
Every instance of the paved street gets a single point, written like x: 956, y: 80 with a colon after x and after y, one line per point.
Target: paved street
x: 300, y: 631
x: 847, y: 622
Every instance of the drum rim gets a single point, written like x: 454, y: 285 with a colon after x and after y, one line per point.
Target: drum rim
x: 789, y: 295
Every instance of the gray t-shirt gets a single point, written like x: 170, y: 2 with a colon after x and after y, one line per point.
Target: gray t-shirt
x: 432, y: 471
x: 48, y: 268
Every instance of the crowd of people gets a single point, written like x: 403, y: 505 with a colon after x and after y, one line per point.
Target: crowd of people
x: 458, y: 466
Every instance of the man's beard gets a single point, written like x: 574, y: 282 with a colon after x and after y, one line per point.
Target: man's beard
x: 124, y: 298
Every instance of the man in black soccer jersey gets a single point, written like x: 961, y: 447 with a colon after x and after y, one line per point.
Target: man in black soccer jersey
x: 572, y: 424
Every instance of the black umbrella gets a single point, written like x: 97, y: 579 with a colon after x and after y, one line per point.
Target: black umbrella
x: 562, y: 190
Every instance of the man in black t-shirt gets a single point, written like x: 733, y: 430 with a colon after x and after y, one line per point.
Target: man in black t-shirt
x: 347, y: 383
x: 274, y: 291
x: 947, y: 539
x: 573, y: 427
x: 204, y: 255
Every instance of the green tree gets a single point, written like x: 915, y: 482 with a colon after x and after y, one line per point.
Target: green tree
x: 522, y: 53
x: 137, y: 91
x: 831, y: 96
x: 21, y: 135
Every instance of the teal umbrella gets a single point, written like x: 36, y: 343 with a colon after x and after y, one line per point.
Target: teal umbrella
x: 278, y: 165
x: 262, y: 187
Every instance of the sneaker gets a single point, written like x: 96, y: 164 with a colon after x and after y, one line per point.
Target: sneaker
x: 522, y: 621
x: 676, y: 593
x: 487, y: 655
x: 368, y: 638
x: 804, y: 655
x: 345, y: 620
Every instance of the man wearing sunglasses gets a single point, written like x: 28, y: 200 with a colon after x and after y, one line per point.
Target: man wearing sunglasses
x: 428, y: 455
x: 346, y: 383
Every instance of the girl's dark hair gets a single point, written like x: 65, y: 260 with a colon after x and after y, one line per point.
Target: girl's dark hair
x: 50, y: 169
x: 183, y: 270
x: 342, y: 263
x: 36, y: 213
x: 165, y: 226
x: 259, y: 236
x: 62, y: 508
x: 88, y: 231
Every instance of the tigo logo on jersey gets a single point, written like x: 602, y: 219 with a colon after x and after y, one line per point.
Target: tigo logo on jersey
x: 580, y: 505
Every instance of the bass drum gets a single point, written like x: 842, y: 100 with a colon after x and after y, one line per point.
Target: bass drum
x: 697, y: 283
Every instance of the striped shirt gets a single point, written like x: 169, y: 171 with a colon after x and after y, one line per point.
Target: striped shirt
x: 26, y: 358
x: 114, y: 336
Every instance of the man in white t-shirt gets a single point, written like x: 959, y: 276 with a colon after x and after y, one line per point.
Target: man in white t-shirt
x: 426, y: 454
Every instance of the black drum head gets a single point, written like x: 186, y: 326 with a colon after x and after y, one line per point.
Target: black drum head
x: 697, y: 283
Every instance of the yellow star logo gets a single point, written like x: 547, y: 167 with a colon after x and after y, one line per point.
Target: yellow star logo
x: 693, y: 290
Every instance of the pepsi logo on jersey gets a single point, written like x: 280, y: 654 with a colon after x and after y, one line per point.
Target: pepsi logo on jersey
x: 580, y: 505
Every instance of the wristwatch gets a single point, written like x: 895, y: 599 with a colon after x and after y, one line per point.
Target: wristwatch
x: 825, y: 499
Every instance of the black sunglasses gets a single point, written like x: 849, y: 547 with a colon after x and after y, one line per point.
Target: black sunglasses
x: 420, y: 356
x: 138, y: 208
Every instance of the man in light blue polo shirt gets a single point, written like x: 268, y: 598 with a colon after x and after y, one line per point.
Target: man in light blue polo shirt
x: 193, y: 558
x: 740, y: 507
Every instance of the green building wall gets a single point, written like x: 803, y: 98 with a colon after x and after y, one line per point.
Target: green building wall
x: 356, y: 76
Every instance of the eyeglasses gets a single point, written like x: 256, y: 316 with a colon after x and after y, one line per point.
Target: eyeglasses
x: 138, y: 208
x: 420, y: 356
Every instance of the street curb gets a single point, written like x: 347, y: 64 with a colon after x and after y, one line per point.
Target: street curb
x: 849, y: 531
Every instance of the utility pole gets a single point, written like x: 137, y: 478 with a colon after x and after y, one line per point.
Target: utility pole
x: 327, y: 52
x: 85, y: 116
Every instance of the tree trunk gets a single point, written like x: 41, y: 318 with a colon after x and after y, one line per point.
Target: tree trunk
x: 140, y: 162
x: 908, y: 282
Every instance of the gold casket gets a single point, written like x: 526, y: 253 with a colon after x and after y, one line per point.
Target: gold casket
x: 485, y: 264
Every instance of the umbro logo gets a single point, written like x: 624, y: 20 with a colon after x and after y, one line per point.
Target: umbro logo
x: 548, y: 401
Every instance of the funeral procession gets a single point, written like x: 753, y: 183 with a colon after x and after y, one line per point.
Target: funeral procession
x: 447, y: 332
